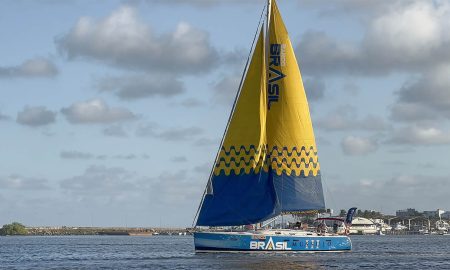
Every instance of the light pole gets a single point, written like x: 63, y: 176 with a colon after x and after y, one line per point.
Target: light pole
x: 409, y: 222
x: 389, y: 220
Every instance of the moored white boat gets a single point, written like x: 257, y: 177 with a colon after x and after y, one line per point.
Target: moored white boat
x: 362, y: 225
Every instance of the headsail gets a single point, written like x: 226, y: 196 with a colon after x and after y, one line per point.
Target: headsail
x: 290, y: 137
x: 268, y: 160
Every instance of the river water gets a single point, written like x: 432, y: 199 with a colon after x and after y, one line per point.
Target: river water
x: 177, y: 252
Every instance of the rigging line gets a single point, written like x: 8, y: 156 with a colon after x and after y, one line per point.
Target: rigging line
x: 329, y: 193
x: 209, y: 184
x: 282, y: 165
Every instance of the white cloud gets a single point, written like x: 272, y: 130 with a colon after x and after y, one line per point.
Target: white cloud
x: 351, y: 88
x: 178, y: 159
x: 411, y: 33
x: 345, y: 118
x: 36, y: 67
x: 235, y: 59
x: 206, y: 3
x: 225, y: 90
x: 431, y: 91
x: 338, y: 119
x: 96, y: 111
x: 75, y: 155
x: 100, y: 178
x: 22, y: 183
x: 418, y: 135
x: 115, y: 131
x: 139, y: 86
x: 175, y: 188
x: 169, y: 134
x: 403, y: 36
x: 118, y: 185
x: 318, y: 54
x: 4, y: 116
x: 180, y: 134
x: 206, y: 142
x: 421, y: 191
x: 129, y: 157
x: 315, y: 89
x: 411, y: 112
x: 121, y: 39
x: 35, y: 116
x: 203, y: 169
x: 191, y: 103
x: 357, y: 146
x: 344, y: 7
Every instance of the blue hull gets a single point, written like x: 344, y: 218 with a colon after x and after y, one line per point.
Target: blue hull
x: 226, y: 241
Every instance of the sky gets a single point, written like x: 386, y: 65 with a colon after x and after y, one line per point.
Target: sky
x: 111, y: 112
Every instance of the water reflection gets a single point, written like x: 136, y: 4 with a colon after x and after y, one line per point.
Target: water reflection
x: 264, y: 261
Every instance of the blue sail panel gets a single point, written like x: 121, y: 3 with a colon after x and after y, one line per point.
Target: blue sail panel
x: 298, y: 193
x: 252, y: 198
x: 239, y: 200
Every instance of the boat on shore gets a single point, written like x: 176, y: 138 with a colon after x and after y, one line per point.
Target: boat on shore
x: 267, y: 164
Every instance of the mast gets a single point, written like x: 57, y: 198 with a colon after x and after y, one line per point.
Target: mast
x: 269, y: 7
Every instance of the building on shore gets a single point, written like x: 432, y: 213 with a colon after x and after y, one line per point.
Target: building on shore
x: 410, y: 212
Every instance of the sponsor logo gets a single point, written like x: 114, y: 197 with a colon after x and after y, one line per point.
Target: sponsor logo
x: 270, y: 245
x: 277, y: 59
x: 259, y: 237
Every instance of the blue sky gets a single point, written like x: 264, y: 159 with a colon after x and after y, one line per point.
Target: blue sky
x: 111, y: 112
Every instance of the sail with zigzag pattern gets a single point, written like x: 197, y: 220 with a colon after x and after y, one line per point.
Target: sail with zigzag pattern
x: 267, y: 163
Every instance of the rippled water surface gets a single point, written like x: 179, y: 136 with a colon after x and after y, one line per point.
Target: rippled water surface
x: 177, y: 252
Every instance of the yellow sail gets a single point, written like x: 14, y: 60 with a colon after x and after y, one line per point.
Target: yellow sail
x: 271, y: 125
x: 289, y: 129
x: 245, y: 140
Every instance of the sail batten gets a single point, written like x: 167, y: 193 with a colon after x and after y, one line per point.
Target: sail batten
x: 268, y: 160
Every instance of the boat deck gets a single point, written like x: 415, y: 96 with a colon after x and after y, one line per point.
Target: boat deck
x: 278, y: 232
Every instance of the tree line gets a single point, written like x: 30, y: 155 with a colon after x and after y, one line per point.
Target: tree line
x: 14, y: 228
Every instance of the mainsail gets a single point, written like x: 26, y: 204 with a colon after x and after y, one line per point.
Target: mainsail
x: 268, y: 161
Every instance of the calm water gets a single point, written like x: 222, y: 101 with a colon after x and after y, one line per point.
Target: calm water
x: 176, y: 252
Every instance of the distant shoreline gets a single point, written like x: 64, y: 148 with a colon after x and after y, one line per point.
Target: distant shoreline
x: 106, y: 231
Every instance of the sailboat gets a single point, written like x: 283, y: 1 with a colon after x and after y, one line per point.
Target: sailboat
x: 267, y: 163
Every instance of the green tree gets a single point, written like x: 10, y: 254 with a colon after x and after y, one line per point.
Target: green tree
x: 359, y: 213
x: 14, y: 228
